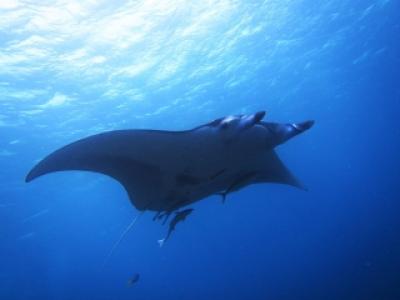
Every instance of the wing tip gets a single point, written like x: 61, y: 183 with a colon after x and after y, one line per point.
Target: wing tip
x: 30, y: 176
x: 34, y: 173
x: 297, y: 183
x: 302, y: 187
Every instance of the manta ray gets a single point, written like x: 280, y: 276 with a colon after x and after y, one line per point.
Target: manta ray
x: 163, y: 171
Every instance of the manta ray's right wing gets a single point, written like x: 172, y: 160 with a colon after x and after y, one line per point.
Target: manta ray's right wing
x: 275, y: 171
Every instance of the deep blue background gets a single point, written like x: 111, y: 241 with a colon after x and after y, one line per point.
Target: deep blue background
x: 337, y: 62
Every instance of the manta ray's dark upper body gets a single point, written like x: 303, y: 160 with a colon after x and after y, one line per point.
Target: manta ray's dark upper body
x: 164, y: 170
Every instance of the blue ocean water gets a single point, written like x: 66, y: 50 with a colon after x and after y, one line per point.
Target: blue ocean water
x: 69, y: 69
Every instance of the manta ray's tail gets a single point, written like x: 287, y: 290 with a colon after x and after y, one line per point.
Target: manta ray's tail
x: 116, y: 244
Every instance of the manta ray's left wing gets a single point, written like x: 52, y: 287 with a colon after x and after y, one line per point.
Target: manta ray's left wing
x: 124, y: 155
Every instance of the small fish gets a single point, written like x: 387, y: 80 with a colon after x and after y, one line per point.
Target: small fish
x: 135, y: 278
x: 180, y: 216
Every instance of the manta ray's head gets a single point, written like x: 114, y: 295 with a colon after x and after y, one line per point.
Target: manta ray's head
x: 279, y: 133
x: 231, y: 126
x: 255, y: 129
